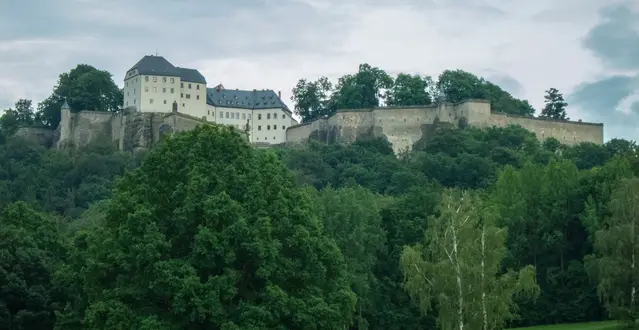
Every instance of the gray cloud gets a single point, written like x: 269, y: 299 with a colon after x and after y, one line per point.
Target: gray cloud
x: 615, y: 40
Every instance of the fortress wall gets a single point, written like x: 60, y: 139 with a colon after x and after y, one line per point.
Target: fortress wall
x: 567, y: 132
x: 82, y: 127
x: 300, y: 133
x: 405, y: 126
x: 476, y: 112
x: 42, y: 136
x: 349, y: 125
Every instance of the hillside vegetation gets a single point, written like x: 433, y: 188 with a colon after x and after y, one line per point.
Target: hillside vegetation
x: 473, y: 229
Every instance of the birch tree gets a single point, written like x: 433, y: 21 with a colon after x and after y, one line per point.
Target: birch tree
x: 457, y: 267
x: 616, y: 253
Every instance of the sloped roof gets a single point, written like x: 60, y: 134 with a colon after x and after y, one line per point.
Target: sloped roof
x: 191, y: 75
x: 156, y: 66
x: 243, y: 99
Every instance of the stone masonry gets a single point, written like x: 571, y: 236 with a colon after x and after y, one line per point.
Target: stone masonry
x: 405, y: 126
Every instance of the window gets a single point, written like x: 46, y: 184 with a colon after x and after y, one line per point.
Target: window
x: 259, y: 116
x: 163, y: 79
x: 127, y: 93
x: 155, y: 89
x: 163, y: 89
x: 181, y: 85
x: 243, y: 116
x: 283, y: 127
x: 259, y: 128
x: 197, y: 87
x: 164, y: 101
x: 134, y: 91
x: 232, y: 115
x: 197, y: 97
x: 237, y: 115
x: 172, y: 90
x: 268, y: 127
x: 274, y: 116
x: 249, y: 116
x: 209, y: 112
x: 227, y: 115
x: 189, y: 86
x: 172, y: 81
x: 188, y: 96
x: 146, y: 78
x: 268, y: 116
x: 274, y: 127
x: 183, y: 105
x: 126, y: 84
x: 146, y: 89
x: 221, y: 115
x: 127, y: 103
x: 181, y: 94
x: 134, y: 101
x: 155, y: 79
x: 151, y: 101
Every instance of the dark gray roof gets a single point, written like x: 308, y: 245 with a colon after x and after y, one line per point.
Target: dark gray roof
x: 234, y: 98
x: 156, y: 66
x: 191, y: 75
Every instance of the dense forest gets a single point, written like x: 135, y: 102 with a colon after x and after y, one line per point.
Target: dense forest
x: 472, y: 229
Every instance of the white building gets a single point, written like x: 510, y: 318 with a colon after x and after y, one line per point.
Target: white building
x: 155, y: 85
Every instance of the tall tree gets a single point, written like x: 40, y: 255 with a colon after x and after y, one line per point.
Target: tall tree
x: 615, y: 261
x: 555, y: 107
x: 311, y: 98
x: 84, y: 88
x: 458, y: 267
x: 410, y: 90
x: 209, y: 233
x: 364, y: 89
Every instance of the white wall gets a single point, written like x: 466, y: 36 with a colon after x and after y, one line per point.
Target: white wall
x: 192, y: 99
x: 132, y: 90
x: 156, y: 93
x: 269, y: 125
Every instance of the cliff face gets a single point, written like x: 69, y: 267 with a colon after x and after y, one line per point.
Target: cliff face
x: 405, y: 126
x: 131, y: 131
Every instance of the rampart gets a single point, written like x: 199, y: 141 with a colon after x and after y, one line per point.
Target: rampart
x: 405, y: 126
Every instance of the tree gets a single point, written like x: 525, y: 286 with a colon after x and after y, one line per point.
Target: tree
x: 410, y: 90
x: 352, y: 217
x: 364, y: 89
x: 22, y: 115
x: 84, y: 88
x: 459, y: 85
x: 311, y: 98
x: 31, y: 250
x: 210, y: 233
x: 555, y: 107
x: 616, y: 249
x: 458, y: 267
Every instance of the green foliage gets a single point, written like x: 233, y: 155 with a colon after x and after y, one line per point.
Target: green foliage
x: 555, y: 107
x: 84, y: 88
x: 209, y: 233
x: 31, y: 249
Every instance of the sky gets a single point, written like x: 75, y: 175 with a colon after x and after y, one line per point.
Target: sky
x: 588, y: 49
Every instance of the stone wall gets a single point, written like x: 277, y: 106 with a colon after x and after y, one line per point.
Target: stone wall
x: 405, y: 126
x: 43, y: 136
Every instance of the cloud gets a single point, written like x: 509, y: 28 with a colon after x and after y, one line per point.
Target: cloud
x: 613, y: 98
x: 529, y: 46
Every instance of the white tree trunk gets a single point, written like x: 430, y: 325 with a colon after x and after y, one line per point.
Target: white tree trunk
x: 460, y: 308
x: 483, y: 275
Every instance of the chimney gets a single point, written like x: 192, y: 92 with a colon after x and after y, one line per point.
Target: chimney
x: 279, y: 94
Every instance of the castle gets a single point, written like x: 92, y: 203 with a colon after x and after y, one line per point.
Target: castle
x: 161, y: 99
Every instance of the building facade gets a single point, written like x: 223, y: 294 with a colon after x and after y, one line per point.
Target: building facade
x: 153, y: 84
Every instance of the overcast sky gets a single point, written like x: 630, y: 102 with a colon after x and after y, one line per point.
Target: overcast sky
x: 588, y: 49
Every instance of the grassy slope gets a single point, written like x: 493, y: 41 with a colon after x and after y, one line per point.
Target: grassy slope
x: 577, y: 326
